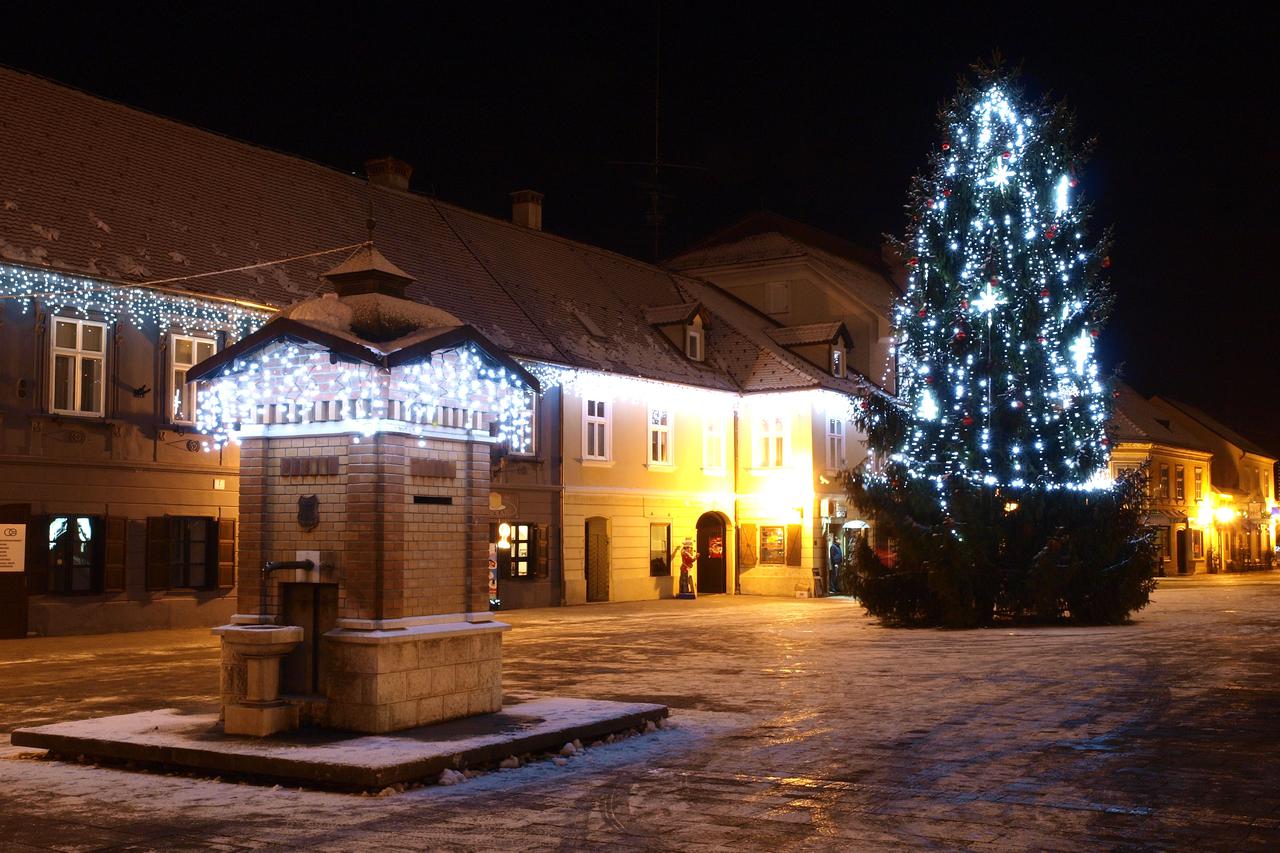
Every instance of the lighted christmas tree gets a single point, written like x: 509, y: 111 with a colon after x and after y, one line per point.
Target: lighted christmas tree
x: 1001, y: 410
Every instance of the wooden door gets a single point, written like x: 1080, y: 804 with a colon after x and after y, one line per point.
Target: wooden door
x: 712, y: 551
x: 314, y: 608
x: 597, y: 561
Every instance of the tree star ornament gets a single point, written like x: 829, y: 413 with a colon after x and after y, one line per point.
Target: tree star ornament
x: 989, y: 300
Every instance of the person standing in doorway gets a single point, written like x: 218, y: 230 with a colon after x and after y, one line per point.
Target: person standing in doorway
x: 837, y: 558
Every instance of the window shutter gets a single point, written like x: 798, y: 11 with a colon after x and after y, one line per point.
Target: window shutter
x: 747, y: 545
x: 541, y: 548
x: 113, y: 563
x: 226, y: 550
x: 793, y: 545
x: 158, y: 552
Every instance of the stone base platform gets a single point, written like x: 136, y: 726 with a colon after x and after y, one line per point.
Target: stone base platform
x: 339, y: 760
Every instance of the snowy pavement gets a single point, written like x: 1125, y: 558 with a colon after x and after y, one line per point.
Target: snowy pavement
x: 796, y: 725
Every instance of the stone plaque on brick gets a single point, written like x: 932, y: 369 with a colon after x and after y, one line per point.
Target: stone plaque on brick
x: 309, y: 466
x: 433, y: 468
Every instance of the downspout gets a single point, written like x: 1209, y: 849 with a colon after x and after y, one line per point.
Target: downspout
x: 737, y: 525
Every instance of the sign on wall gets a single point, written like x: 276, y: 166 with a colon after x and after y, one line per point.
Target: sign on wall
x: 13, y: 547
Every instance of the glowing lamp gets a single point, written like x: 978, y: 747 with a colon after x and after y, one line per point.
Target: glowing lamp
x: 1224, y: 515
x: 504, y: 536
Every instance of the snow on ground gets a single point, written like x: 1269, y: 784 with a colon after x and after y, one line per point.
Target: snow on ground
x: 798, y: 725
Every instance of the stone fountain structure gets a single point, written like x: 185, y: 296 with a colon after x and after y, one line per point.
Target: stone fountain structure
x: 362, y: 577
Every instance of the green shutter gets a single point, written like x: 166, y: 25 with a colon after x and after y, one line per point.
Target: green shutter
x: 158, y: 552
x: 113, y: 563
x: 225, y: 550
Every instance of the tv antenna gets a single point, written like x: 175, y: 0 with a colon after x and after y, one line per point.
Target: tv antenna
x: 655, y: 188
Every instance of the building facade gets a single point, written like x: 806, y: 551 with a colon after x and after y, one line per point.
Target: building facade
x: 669, y: 411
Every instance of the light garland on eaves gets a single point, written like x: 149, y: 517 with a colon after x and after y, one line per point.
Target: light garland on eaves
x: 997, y: 376
x: 288, y: 388
x: 613, y: 388
x: 141, y: 305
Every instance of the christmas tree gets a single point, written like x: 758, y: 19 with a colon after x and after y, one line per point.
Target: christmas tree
x: 999, y: 420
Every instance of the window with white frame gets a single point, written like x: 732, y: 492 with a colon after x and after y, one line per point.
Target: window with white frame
x: 660, y: 435
x: 837, y: 361
x: 595, y: 430
x: 835, y: 443
x: 770, y: 442
x: 185, y: 352
x: 693, y: 345
x: 713, y: 443
x: 77, y: 367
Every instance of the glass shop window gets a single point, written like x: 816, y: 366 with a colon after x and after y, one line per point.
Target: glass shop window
x: 773, y: 544
x: 75, y: 553
x: 659, y: 550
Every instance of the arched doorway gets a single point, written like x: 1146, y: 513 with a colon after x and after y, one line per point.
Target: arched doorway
x: 713, y: 554
x: 596, y: 559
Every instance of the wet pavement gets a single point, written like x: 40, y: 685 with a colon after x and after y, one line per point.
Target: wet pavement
x: 798, y: 725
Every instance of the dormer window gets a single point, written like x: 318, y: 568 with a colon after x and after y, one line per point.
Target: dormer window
x: 693, y: 342
x: 837, y: 362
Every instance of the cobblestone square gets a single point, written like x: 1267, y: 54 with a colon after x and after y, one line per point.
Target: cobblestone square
x: 797, y: 725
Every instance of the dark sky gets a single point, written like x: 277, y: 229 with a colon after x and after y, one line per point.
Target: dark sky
x: 818, y: 114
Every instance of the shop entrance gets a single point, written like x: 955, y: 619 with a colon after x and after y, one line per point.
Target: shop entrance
x: 314, y: 608
x: 713, y: 559
x: 596, y: 560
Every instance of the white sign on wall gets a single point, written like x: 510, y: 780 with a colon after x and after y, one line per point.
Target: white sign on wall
x: 13, y: 547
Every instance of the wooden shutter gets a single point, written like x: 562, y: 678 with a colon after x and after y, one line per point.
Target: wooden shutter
x: 793, y: 545
x: 225, y: 552
x: 158, y: 552
x: 113, y: 561
x: 541, y: 548
x: 746, y: 545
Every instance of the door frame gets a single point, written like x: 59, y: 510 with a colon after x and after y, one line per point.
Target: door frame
x: 723, y: 587
x: 601, y: 525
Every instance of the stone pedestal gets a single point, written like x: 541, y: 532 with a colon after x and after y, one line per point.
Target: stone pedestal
x: 251, y: 678
x: 387, y: 680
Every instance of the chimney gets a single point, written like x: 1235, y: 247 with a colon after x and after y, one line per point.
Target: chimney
x: 388, y: 172
x: 526, y: 209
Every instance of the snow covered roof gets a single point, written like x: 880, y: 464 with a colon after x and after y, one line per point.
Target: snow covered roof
x: 666, y: 315
x: 1133, y: 419
x: 767, y: 236
x: 97, y: 188
x: 810, y: 333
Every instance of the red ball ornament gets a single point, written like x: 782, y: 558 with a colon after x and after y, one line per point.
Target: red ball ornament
x: 920, y: 313
x: 1106, y: 262
x: 994, y: 281
x: 1041, y: 339
x: 946, y: 146
x: 911, y: 262
x: 1074, y: 183
x: 947, y: 193
x: 1115, y: 394
x: 1006, y: 155
x: 1051, y: 232
x: 1105, y: 442
x: 1044, y: 294
x: 928, y: 380
x: 1017, y: 404
x: 960, y: 337
x: 1094, y: 333
x: 964, y: 303
x: 930, y: 202
x: 968, y: 421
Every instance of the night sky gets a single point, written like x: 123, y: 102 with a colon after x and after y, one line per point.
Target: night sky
x: 818, y: 115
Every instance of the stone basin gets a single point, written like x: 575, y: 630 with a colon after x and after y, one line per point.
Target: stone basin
x: 260, y: 640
